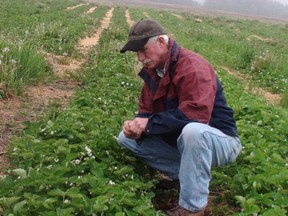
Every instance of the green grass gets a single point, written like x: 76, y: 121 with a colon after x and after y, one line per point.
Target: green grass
x: 21, y: 65
x: 69, y: 163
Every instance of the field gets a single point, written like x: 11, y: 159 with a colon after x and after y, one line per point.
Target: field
x: 65, y: 91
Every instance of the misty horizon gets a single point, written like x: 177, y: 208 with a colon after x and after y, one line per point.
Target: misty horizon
x: 273, y: 9
x: 283, y: 2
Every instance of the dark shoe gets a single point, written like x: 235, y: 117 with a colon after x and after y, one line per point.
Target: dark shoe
x: 165, y: 200
x: 168, y: 184
x: 208, y: 211
x: 180, y: 211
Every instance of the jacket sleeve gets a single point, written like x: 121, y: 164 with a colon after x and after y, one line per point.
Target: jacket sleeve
x: 171, y: 121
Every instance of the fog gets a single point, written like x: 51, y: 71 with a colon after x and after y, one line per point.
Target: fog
x: 284, y: 2
x: 276, y: 9
x: 265, y: 8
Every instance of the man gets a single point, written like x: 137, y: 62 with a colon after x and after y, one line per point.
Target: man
x: 183, y: 126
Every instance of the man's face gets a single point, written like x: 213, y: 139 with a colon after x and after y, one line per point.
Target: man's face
x: 151, y: 56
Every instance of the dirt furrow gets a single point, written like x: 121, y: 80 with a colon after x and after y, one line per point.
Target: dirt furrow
x: 84, y: 44
x: 128, y: 19
x: 273, y: 99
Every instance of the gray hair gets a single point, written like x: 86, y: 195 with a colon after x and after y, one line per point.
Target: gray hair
x: 154, y: 39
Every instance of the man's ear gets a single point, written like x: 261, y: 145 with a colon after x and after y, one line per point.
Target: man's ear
x: 161, y: 41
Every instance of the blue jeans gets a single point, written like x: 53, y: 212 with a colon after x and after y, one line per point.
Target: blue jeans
x: 199, y: 147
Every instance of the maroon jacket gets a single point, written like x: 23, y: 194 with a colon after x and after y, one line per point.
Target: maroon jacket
x: 189, y: 92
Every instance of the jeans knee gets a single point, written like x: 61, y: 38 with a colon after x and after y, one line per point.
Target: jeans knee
x: 192, y: 131
x: 121, y: 138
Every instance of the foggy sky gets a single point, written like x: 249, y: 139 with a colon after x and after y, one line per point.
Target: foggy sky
x: 284, y: 2
x: 267, y: 9
x: 276, y: 9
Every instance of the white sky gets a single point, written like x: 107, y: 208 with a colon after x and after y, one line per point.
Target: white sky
x: 285, y: 2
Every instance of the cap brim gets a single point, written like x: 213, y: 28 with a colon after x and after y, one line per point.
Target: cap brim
x: 134, y: 45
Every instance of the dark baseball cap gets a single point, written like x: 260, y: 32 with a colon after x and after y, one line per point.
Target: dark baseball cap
x: 140, y: 33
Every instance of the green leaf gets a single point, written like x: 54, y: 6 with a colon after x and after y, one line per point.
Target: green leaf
x: 257, y: 156
x: 100, y: 208
x: 142, y: 209
x: 127, y: 201
x: 75, y: 195
x: 8, y: 201
x: 20, y: 172
x: 251, y: 209
x: 64, y: 212
x: 92, y: 181
x: 240, y: 199
x: 124, y: 170
x: 276, y: 211
x: 277, y: 158
x: 57, y: 192
x: 250, y: 201
x: 47, y: 203
x: 100, y: 203
x: 19, y: 206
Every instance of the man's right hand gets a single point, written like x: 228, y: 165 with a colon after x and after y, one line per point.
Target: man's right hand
x: 134, y: 129
x: 128, y: 130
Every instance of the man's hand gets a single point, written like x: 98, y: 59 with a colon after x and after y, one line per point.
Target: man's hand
x: 134, y: 129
